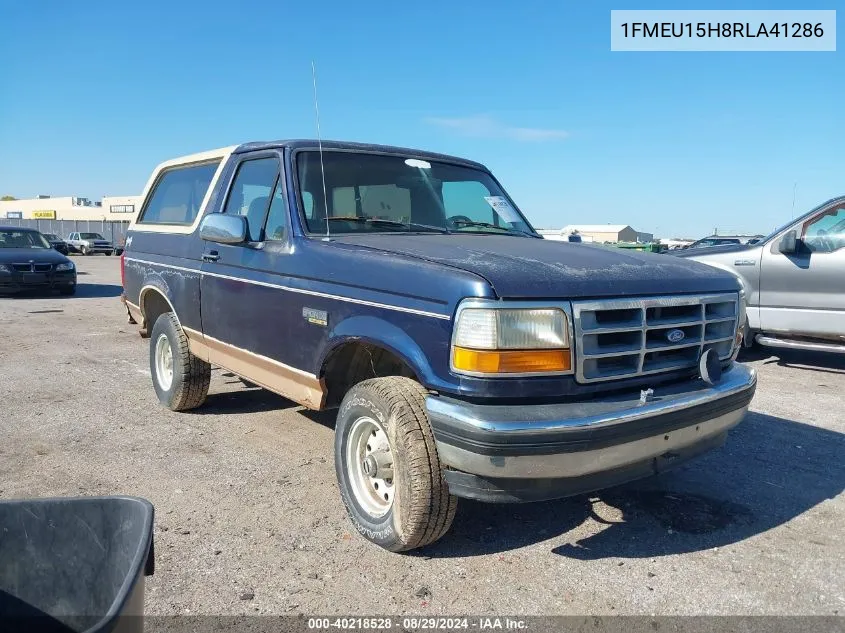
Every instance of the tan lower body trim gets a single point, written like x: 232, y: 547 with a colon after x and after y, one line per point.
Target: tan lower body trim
x: 295, y: 384
x: 134, y: 311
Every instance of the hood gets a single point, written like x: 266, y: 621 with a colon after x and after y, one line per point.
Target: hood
x: 37, y: 255
x: 714, y: 250
x: 522, y: 267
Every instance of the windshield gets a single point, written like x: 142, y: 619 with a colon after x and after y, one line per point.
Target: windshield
x: 52, y: 237
x: 373, y: 193
x: 22, y: 239
x: 91, y: 236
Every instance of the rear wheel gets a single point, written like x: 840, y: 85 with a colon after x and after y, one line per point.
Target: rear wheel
x: 180, y: 379
x: 390, y: 477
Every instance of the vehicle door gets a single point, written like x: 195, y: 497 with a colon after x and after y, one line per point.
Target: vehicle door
x: 250, y: 321
x: 804, y: 292
x: 73, y: 239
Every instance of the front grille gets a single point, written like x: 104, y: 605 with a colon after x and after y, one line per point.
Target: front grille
x: 622, y: 338
x: 32, y: 268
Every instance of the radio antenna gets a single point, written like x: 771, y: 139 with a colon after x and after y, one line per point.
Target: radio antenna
x: 320, y: 145
x: 794, y: 189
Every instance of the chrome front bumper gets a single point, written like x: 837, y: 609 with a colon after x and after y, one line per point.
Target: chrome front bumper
x: 583, y: 439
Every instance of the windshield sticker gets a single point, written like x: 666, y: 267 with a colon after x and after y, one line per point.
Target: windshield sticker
x: 503, y: 208
x: 414, y: 162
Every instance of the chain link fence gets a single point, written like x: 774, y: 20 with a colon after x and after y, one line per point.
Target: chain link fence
x: 111, y: 230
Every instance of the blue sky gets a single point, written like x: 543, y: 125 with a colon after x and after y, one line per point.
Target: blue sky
x: 93, y: 94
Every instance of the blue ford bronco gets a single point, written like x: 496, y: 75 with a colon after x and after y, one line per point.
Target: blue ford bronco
x: 466, y: 356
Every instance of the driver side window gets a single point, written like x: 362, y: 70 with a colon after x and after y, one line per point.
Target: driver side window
x: 826, y: 232
x: 251, y: 191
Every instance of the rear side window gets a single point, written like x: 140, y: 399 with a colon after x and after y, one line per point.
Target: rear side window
x: 178, y: 194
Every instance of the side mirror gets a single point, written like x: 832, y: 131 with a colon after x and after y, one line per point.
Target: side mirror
x: 224, y: 228
x: 789, y: 243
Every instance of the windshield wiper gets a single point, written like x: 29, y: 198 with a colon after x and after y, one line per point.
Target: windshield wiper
x: 380, y: 222
x: 488, y: 225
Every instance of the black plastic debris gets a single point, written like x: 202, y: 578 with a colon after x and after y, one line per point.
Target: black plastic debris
x: 74, y: 565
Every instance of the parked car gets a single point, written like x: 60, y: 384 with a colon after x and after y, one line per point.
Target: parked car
x: 28, y: 262
x: 723, y: 240
x: 56, y: 242
x: 794, y: 280
x: 466, y: 356
x: 90, y: 243
x: 647, y: 247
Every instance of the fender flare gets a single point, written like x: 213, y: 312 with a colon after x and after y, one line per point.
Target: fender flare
x: 376, y: 331
x: 159, y: 286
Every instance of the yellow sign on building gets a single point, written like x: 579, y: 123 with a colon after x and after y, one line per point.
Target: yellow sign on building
x: 44, y: 215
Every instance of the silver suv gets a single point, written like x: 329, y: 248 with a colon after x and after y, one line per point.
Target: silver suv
x: 794, y: 280
x: 90, y: 243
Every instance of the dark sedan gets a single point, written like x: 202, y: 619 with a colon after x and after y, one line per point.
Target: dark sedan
x: 28, y: 262
x: 56, y: 242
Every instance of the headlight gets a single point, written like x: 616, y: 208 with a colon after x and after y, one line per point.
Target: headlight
x: 505, y: 341
x: 5, y: 269
x: 64, y: 266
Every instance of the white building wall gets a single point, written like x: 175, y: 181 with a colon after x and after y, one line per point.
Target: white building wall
x: 121, y: 207
x: 69, y: 208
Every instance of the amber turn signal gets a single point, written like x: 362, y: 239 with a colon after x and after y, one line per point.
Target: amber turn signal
x: 511, y: 361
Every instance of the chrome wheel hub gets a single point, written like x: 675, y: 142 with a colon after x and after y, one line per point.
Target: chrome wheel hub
x: 369, y: 461
x: 164, y: 363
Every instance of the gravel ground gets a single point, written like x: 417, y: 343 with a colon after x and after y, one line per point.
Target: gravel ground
x: 249, y: 519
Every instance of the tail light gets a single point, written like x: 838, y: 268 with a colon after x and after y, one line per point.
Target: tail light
x: 123, y: 269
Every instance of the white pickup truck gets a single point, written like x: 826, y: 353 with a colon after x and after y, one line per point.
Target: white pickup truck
x: 794, y: 280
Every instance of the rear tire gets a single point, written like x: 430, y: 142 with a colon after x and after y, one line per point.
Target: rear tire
x: 180, y: 379
x: 382, y: 429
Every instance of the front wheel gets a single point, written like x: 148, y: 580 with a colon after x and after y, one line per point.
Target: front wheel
x: 390, y: 477
x: 85, y: 251
x: 180, y: 379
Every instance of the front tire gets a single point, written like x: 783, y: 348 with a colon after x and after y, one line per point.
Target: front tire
x: 68, y: 291
x: 180, y: 379
x: 390, y: 477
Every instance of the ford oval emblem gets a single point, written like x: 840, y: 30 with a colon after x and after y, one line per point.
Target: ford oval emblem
x: 675, y: 336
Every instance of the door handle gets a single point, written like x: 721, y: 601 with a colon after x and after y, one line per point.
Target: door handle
x: 211, y: 256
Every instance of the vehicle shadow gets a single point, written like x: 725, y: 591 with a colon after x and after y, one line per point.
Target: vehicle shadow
x: 96, y: 291
x: 83, y: 291
x: 825, y: 362
x: 770, y: 471
x: 244, y: 400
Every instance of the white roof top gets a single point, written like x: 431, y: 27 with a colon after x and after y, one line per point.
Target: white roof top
x: 221, y: 152
x: 594, y: 228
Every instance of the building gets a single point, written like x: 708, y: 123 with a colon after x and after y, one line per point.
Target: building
x: 110, y: 209
x: 606, y: 233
